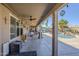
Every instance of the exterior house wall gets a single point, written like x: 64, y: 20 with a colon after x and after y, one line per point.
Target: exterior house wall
x: 5, y: 29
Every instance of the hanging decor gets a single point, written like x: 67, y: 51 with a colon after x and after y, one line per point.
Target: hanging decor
x: 67, y: 5
x: 5, y: 20
x: 62, y: 13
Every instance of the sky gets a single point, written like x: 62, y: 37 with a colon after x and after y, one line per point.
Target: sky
x: 49, y: 22
x: 71, y: 14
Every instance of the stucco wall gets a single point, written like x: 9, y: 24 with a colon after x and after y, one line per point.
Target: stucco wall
x: 5, y: 27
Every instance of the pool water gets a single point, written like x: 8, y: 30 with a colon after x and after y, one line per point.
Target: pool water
x: 65, y: 36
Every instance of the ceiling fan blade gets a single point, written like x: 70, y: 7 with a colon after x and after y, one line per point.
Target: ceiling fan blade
x: 33, y: 19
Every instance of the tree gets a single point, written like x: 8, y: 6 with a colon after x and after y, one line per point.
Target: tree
x: 62, y: 23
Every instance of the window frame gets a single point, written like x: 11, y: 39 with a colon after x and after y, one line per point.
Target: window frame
x: 16, y: 19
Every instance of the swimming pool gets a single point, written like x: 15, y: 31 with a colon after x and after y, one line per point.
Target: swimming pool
x: 65, y: 36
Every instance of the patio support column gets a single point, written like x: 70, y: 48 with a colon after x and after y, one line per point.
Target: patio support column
x: 55, y: 33
x: 55, y: 28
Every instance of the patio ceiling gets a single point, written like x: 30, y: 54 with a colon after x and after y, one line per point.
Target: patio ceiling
x: 37, y: 10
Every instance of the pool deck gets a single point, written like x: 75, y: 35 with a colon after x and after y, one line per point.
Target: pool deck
x: 74, y: 42
x: 67, y: 47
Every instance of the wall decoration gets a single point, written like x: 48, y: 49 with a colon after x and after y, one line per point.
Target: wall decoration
x: 5, y: 20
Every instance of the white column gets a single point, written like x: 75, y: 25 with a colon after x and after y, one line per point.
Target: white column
x: 55, y: 35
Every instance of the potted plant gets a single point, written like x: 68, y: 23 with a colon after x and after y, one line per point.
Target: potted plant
x: 23, y: 38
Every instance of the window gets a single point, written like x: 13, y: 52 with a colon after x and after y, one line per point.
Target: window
x: 21, y: 31
x: 18, y: 30
x: 13, y: 28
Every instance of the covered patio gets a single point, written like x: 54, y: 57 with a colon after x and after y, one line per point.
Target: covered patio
x: 25, y: 19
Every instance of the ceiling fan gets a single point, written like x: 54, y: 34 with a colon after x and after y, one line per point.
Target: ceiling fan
x: 31, y: 18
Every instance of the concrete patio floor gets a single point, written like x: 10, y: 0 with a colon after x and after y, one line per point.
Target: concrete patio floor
x: 44, y: 47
